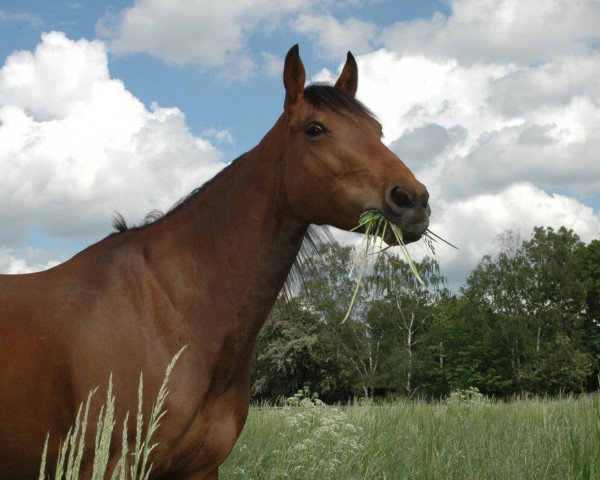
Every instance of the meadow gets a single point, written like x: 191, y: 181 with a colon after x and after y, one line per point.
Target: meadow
x: 466, y: 437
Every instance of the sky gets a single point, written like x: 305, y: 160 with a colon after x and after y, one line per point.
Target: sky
x: 126, y: 107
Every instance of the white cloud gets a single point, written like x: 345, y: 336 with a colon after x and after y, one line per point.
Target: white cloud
x: 75, y: 146
x: 27, y: 18
x: 273, y: 64
x: 409, y: 91
x: 455, y: 126
x: 24, y: 260
x: 560, y: 154
x: 501, y: 31
x: 206, y: 33
x: 219, y: 135
x: 37, y: 85
x: 554, y: 83
x: 333, y: 38
x: 474, y: 223
x: 494, y: 108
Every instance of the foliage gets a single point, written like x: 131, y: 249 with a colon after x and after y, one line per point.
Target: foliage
x: 293, y: 351
x: 559, y: 366
x: 536, y: 289
x: 526, y: 320
x: 380, y: 342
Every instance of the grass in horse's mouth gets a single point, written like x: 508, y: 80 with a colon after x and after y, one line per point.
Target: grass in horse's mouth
x: 375, y: 225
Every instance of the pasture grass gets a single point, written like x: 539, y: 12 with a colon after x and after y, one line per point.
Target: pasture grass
x: 471, y: 438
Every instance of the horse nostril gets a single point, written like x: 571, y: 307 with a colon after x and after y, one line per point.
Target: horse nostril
x: 401, y: 198
x: 424, y: 198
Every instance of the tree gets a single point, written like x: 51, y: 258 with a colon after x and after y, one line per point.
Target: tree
x: 408, y: 305
x: 538, y: 288
x: 590, y: 270
x: 363, y: 340
x: 526, y: 320
x: 294, y: 350
x: 561, y: 366
x: 477, y: 346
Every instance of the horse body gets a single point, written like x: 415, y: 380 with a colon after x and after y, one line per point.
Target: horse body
x: 204, y: 276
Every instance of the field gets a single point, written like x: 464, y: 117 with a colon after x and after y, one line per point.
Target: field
x: 459, y: 439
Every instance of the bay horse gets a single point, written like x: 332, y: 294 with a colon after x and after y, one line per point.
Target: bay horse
x: 205, y: 276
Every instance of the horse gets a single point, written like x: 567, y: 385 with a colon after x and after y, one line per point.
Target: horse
x: 205, y: 276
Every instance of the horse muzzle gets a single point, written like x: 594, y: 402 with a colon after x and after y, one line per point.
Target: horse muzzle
x: 408, y: 209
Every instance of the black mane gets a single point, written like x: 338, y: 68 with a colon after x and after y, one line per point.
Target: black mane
x: 120, y: 225
x: 323, y: 95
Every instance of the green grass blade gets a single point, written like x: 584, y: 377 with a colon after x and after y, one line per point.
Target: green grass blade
x: 409, y: 260
x: 62, y: 456
x: 120, y: 471
x: 155, y: 418
x: 76, y: 466
x: 104, y: 435
x: 357, y: 288
x: 74, y: 437
x: 42, y: 475
x: 430, y: 234
x: 138, y: 431
x: 364, y: 244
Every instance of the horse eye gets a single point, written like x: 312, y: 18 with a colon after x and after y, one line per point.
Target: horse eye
x: 315, y: 129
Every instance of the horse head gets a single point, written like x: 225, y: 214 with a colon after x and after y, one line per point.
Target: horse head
x: 336, y: 166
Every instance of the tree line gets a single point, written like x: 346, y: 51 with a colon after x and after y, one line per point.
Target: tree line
x: 526, y: 321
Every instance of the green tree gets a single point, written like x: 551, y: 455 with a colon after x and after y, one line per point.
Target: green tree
x: 534, y: 296
x: 560, y: 366
x: 591, y: 325
x: 405, y: 308
x: 329, y: 282
x: 477, y: 347
x: 382, y: 337
x: 294, y: 350
x: 527, y: 319
x: 327, y: 291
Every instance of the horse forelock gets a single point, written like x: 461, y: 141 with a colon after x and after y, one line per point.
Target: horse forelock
x: 323, y: 95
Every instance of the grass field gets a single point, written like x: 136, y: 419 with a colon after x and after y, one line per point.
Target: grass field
x: 473, y: 439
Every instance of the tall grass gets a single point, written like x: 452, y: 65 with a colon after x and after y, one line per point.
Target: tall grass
x: 135, y: 464
x: 464, y: 439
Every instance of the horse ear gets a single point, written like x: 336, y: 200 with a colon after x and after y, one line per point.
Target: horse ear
x: 293, y: 78
x: 348, y: 81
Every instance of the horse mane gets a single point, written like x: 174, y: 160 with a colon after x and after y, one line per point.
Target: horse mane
x: 313, y: 238
x: 120, y: 224
x: 324, y: 95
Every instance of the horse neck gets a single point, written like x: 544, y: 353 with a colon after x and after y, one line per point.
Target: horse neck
x: 237, y: 239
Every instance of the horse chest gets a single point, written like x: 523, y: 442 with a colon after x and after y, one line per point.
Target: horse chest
x: 206, y: 409
x: 208, y: 439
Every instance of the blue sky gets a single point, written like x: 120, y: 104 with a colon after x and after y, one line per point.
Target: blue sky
x: 207, y: 100
x: 128, y: 106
